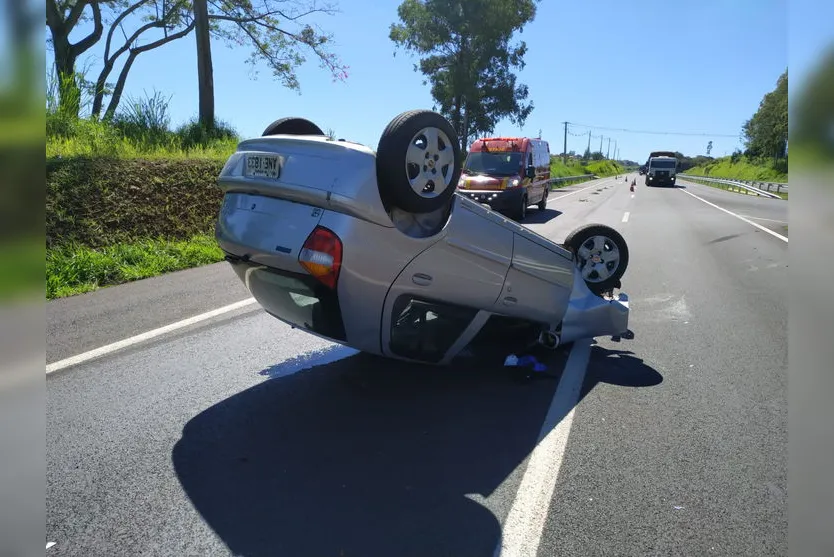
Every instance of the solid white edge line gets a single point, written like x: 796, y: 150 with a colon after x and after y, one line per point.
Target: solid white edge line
x: 109, y: 348
x: 549, y: 199
x: 49, y: 544
x: 625, y: 216
x: 759, y: 226
x: 525, y: 522
x: 762, y: 218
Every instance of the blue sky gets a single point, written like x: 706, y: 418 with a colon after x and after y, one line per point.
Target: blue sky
x: 606, y: 63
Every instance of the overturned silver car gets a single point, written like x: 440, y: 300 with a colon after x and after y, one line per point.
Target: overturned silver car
x: 377, y: 251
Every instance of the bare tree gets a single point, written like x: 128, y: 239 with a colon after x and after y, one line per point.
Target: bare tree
x: 275, y: 32
x: 165, y: 21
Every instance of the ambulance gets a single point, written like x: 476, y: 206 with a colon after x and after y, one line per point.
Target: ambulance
x: 509, y: 174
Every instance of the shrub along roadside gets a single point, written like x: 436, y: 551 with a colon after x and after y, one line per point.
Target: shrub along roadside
x: 110, y: 220
x: 98, y: 202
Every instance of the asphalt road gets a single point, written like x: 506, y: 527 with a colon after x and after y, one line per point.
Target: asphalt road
x: 238, y: 435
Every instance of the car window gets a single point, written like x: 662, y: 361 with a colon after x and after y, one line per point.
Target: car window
x: 425, y: 330
x: 494, y: 164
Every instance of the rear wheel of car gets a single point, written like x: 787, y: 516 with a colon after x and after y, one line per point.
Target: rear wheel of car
x: 418, y: 162
x: 292, y: 126
x: 601, y: 255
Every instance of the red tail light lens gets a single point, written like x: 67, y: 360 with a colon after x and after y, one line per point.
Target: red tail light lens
x: 321, y: 255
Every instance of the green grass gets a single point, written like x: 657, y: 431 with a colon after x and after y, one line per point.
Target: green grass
x: 86, y: 138
x: 742, y: 169
x: 604, y: 168
x: 74, y: 269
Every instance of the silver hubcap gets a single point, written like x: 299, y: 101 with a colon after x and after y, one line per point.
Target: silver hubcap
x: 599, y: 258
x: 430, y: 162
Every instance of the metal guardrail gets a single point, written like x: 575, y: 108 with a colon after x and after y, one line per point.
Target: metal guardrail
x: 747, y: 185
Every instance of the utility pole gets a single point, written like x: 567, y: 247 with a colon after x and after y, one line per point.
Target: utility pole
x: 600, y: 143
x: 589, y: 142
x: 615, y: 149
x: 608, y: 151
x: 565, y: 148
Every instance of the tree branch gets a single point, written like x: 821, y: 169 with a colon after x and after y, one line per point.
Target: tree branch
x: 134, y: 52
x: 116, y: 23
x: 91, y: 39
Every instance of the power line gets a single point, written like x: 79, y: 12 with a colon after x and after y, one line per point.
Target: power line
x: 655, y: 132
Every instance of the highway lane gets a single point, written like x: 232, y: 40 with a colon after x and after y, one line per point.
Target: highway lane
x: 770, y: 213
x: 210, y: 441
x: 696, y: 465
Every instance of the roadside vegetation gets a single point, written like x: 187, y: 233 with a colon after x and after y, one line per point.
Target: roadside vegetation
x: 601, y: 168
x: 129, y: 198
x: 765, y: 135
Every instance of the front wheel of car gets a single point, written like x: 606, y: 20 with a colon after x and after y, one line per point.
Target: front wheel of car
x: 601, y: 256
x: 418, y: 162
x: 543, y: 202
x: 292, y: 126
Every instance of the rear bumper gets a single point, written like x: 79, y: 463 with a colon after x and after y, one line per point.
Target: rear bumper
x: 590, y: 316
x: 498, y: 200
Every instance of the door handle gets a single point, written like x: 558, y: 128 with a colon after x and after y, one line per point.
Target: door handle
x: 421, y: 279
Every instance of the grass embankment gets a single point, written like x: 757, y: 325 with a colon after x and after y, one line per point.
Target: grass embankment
x: 111, y: 220
x: 602, y: 169
x: 741, y: 169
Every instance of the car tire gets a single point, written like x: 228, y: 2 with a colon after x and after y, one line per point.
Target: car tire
x: 521, y: 212
x: 418, y: 186
x: 543, y: 202
x: 292, y: 126
x: 611, y: 248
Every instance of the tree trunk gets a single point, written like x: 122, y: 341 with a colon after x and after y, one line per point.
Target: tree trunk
x: 120, y: 86
x: 205, y: 73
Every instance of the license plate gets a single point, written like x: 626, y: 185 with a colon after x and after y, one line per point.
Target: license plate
x: 263, y: 166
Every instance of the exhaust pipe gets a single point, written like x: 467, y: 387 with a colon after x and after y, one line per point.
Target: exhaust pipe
x: 549, y: 340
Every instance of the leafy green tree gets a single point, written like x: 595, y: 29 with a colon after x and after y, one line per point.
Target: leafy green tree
x: 766, y: 132
x: 466, y: 54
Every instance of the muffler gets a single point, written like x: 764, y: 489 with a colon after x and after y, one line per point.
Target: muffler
x: 549, y: 339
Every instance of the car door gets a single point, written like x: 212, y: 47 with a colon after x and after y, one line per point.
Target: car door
x: 442, y: 297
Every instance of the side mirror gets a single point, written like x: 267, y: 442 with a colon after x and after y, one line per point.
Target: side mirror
x: 531, y: 172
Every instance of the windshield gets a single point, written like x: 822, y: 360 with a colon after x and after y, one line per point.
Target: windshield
x: 663, y: 164
x: 493, y: 164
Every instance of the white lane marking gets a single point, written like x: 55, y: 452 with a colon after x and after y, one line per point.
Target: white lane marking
x: 109, y: 348
x: 49, y: 544
x: 525, y: 522
x: 750, y: 222
x: 594, y: 185
x: 632, y: 196
x: 625, y: 216
x: 761, y: 218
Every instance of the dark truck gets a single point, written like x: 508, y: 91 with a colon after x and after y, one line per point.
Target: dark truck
x: 661, y: 168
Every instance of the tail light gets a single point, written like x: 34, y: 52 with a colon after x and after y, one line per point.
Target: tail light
x: 321, y: 255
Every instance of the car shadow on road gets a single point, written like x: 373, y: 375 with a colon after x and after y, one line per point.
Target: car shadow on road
x: 367, y: 456
x: 537, y: 216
